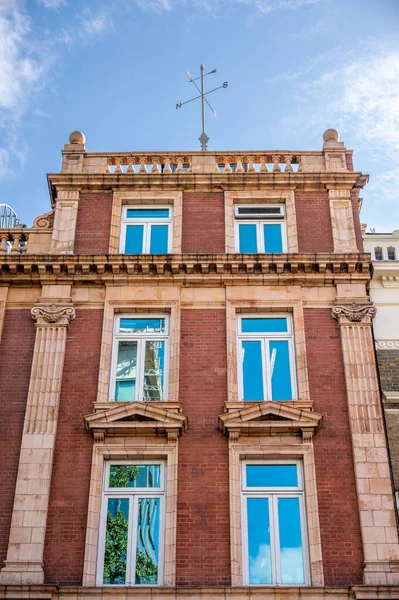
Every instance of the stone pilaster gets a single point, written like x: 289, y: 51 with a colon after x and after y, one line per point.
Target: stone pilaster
x: 373, y: 482
x: 28, y: 525
x: 342, y: 221
x: 64, y: 228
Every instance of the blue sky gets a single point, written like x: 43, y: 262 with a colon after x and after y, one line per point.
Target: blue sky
x: 116, y: 69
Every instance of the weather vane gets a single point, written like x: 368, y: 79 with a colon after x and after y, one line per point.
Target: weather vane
x: 204, y: 139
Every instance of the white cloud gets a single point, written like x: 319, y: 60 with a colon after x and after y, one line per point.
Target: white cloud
x: 52, y: 3
x: 291, y: 561
x: 22, y: 66
x: 93, y: 24
x: 264, y: 6
x: 360, y: 98
x: 211, y: 6
x: 267, y: 6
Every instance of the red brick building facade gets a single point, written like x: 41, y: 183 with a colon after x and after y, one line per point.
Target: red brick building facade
x: 190, y: 399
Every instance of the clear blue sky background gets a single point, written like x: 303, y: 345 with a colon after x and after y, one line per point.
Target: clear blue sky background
x: 116, y: 69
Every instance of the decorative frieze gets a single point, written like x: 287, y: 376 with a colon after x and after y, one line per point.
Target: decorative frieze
x: 387, y: 344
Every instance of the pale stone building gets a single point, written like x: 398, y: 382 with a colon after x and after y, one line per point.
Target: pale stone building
x: 384, y: 292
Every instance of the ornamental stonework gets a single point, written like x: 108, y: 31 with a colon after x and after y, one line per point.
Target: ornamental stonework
x: 354, y: 312
x: 53, y: 314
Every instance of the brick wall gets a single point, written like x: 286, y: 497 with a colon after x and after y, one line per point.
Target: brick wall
x: 66, y: 524
x: 93, y: 224
x: 203, y: 547
x: 388, y: 370
x: 349, y: 162
x: 392, y: 426
x: 16, y: 351
x: 338, y: 507
x: 203, y: 223
x: 313, y: 222
x: 388, y: 367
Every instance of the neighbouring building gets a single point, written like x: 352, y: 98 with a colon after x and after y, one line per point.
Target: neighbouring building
x: 190, y: 403
x: 384, y: 293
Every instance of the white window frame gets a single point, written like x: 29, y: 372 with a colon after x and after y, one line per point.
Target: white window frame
x: 259, y: 222
x: 141, y: 338
x: 134, y: 495
x: 147, y: 222
x: 272, y: 494
x: 265, y: 338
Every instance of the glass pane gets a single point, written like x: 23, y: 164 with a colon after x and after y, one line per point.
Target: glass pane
x: 146, y: 325
x: 159, y: 239
x: 154, y: 370
x: 134, y: 239
x: 252, y: 370
x: 271, y: 475
x: 266, y: 325
x: 126, y: 370
x: 291, y: 555
x: 134, y: 476
x: 259, y: 559
x: 280, y: 370
x: 116, y: 541
x: 148, y: 213
x: 273, y: 239
x: 147, y: 547
x: 247, y: 237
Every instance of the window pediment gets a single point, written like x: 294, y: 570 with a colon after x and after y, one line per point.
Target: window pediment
x: 270, y: 418
x: 134, y: 419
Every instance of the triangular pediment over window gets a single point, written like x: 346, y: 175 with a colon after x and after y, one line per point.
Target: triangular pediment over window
x: 270, y: 418
x: 137, y: 419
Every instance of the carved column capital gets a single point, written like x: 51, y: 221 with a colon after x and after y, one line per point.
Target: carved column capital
x: 355, y: 312
x: 53, y: 314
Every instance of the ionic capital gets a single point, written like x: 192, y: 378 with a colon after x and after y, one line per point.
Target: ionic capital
x: 53, y: 314
x: 355, y: 312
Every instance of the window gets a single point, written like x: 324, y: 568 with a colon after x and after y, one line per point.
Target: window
x: 260, y: 228
x: 146, y: 230
x: 266, y: 358
x: 140, y: 358
x: 132, y: 524
x: 378, y: 253
x: 274, y: 533
x: 391, y: 253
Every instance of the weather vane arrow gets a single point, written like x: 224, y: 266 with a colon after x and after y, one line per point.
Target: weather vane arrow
x: 204, y: 139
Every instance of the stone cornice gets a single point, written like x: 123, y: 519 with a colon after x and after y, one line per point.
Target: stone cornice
x: 49, y: 592
x: 203, y: 181
x: 356, y: 312
x: 53, y: 314
x: 321, y: 269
